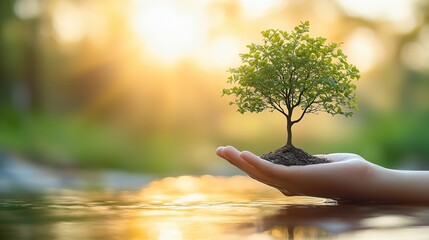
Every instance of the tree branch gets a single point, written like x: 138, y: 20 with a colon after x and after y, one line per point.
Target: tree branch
x: 304, y: 111
x: 277, y: 107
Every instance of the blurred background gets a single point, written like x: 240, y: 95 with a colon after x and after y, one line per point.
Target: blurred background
x: 133, y: 87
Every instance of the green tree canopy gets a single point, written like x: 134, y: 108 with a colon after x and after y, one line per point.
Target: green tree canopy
x: 292, y: 71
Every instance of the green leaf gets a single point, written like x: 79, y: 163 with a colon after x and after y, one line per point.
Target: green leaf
x: 293, y: 69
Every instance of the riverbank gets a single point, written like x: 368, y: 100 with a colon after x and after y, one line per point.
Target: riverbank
x: 18, y: 174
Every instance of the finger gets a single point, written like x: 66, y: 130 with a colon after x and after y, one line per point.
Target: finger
x: 219, y: 151
x: 266, y: 167
x: 274, y: 173
x: 337, y: 157
x: 282, y: 176
x: 293, y: 178
x: 233, y: 156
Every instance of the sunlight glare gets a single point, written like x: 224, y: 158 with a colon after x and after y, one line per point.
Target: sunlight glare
x: 392, y: 221
x: 68, y: 22
x: 168, y: 30
x: 186, y: 183
x: 258, y: 8
x: 401, y: 13
x: 221, y: 53
x: 364, y: 49
x: 169, y: 231
x: 225, y: 51
x: 190, y: 198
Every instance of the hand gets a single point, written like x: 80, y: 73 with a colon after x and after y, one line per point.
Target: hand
x: 348, y: 177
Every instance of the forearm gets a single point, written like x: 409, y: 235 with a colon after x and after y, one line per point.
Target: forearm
x: 403, y: 186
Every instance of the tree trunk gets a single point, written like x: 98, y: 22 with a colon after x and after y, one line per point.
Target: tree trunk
x: 289, y: 133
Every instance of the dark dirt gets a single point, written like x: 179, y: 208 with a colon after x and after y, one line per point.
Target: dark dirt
x: 290, y: 155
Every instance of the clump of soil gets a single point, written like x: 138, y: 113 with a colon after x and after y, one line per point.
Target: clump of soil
x: 290, y: 155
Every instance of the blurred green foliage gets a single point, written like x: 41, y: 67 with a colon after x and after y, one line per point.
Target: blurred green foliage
x: 102, y: 106
x: 70, y: 142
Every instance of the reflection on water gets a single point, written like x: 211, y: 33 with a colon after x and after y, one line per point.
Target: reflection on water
x: 203, y: 208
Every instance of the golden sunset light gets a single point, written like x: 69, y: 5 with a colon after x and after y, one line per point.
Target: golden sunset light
x: 136, y: 119
x: 168, y: 30
x: 153, y: 72
x: 403, y: 15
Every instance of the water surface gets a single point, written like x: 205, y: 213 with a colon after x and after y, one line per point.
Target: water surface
x: 203, y: 208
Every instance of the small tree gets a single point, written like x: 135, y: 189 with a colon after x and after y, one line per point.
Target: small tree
x: 294, y: 74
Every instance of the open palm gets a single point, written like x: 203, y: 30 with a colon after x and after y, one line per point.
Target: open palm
x: 347, y: 177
